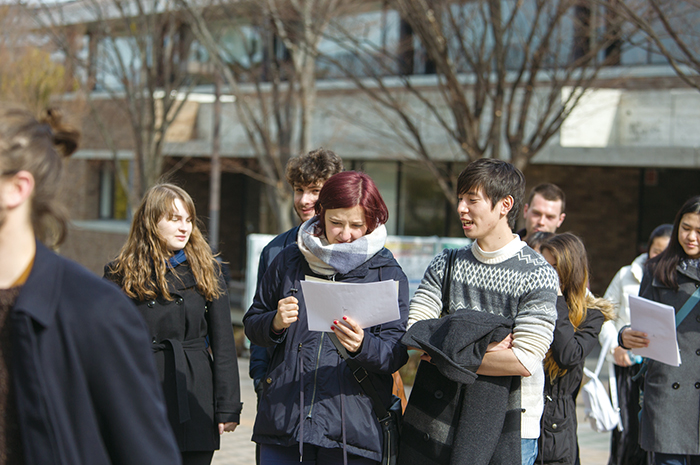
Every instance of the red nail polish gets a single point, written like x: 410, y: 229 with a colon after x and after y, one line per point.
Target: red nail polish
x: 345, y: 318
x: 332, y: 328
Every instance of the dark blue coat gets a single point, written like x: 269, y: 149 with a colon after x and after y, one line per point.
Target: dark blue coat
x: 259, y: 356
x: 307, y: 362
x: 84, y: 378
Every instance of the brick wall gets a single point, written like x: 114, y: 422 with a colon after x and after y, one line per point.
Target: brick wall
x: 92, y: 249
x: 80, y: 188
x: 602, y: 206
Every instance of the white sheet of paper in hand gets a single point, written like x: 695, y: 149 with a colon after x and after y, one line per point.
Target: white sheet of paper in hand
x: 369, y: 304
x: 659, y: 322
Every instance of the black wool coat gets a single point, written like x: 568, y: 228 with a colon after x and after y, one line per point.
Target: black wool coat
x: 199, y: 392
x: 85, y: 383
x: 558, y: 442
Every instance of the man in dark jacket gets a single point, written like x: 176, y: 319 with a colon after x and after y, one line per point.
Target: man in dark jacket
x: 78, y: 383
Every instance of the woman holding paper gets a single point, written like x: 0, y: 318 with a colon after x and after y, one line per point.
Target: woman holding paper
x: 670, y: 418
x: 580, y: 317
x: 312, y: 409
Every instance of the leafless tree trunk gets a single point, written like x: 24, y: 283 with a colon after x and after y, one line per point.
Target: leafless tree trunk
x: 215, y: 173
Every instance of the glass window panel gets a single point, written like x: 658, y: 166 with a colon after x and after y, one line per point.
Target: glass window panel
x: 422, y: 205
x: 385, y: 176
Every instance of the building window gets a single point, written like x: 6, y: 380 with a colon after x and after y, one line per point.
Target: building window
x: 423, y: 206
x: 113, y: 204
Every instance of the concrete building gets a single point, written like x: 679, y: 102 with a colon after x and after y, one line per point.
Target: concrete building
x: 627, y: 158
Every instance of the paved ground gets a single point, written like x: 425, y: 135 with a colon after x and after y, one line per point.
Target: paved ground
x: 237, y: 449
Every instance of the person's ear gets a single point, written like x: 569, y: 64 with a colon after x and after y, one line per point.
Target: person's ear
x: 525, y: 210
x: 507, y: 204
x: 561, y: 219
x: 17, y: 189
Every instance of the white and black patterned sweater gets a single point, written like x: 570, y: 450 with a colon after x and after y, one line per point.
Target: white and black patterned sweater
x: 515, y: 282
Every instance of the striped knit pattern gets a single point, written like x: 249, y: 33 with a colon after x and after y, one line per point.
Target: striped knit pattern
x: 521, y: 286
x: 514, y: 282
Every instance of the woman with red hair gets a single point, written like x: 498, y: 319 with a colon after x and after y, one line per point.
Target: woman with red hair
x: 312, y: 409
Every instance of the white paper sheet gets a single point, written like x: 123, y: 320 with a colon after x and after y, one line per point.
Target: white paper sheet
x: 659, y: 322
x: 369, y: 304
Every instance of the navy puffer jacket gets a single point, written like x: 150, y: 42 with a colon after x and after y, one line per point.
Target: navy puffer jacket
x: 307, y: 378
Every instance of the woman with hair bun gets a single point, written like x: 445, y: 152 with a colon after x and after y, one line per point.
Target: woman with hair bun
x: 167, y: 268
x: 77, y: 383
x: 312, y: 409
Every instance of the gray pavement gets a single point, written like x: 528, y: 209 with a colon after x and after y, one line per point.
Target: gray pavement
x: 237, y: 448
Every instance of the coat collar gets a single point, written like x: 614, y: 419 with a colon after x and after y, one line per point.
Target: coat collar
x: 40, y: 295
x: 180, y: 278
x: 689, y: 268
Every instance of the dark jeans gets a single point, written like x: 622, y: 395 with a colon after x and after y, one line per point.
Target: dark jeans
x: 197, y: 457
x: 279, y: 455
x: 624, y: 445
x: 674, y: 459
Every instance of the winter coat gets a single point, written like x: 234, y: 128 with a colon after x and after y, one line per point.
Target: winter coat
x: 454, y: 416
x: 307, y: 377
x: 85, y: 383
x: 199, y: 392
x: 671, y: 410
x: 260, y: 356
x: 625, y: 283
x: 558, y: 442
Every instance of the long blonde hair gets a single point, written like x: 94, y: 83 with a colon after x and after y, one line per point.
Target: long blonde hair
x: 141, y: 265
x: 572, y: 267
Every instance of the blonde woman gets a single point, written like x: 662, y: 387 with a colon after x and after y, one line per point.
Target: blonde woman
x: 580, y: 317
x: 166, y: 267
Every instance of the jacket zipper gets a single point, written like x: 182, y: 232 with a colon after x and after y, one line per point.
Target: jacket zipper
x: 318, y: 361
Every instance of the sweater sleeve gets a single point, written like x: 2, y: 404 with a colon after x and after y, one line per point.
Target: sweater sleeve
x: 427, y: 301
x: 534, y: 323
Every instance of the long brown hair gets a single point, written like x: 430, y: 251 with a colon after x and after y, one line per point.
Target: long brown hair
x: 38, y: 146
x: 141, y: 264
x: 572, y: 267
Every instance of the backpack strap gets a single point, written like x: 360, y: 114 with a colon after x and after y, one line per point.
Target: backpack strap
x: 687, y: 307
x: 603, y: 353
x: 362, y: 378
x: 446, y: 281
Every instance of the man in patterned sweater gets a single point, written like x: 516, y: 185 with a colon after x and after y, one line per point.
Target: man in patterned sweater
x: 501, y: 275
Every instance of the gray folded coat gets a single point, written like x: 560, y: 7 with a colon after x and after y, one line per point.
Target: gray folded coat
x: 457, y: 342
